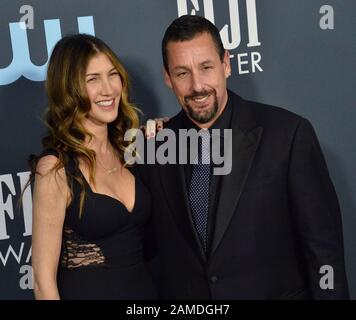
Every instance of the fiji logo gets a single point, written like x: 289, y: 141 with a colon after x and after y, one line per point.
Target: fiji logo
x: 231, y: 39
x: 21, y: 64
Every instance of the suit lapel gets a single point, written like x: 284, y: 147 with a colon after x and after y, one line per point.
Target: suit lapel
x: 244, y: 145
x: 175, y: 191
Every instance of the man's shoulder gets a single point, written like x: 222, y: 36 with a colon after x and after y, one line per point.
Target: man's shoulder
x: 267, y: 115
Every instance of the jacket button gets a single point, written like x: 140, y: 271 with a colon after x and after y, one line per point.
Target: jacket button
x: 213, y: 279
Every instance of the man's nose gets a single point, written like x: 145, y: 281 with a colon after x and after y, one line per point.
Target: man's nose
x: 197, y: 83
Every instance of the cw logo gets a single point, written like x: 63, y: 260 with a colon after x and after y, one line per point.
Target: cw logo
x: 21, y: 64
x: 234, y: 21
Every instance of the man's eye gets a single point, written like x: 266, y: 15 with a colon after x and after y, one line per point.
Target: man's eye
x: 182, y: 74
x: 207, y: 67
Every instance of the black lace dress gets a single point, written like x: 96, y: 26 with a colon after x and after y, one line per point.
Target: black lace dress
x: 102, y: 251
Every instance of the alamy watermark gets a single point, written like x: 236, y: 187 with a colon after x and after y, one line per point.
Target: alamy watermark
x: 28, y: 17
x: 327, y: 20
x: 182, y: 148
x: 327, y: 280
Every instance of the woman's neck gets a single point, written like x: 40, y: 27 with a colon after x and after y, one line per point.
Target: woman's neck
x: 100, y: 142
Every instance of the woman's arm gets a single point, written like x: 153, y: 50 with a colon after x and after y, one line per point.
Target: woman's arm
x: 50, y: 197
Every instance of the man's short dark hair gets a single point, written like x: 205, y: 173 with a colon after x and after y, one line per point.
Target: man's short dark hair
x: 186, y: 28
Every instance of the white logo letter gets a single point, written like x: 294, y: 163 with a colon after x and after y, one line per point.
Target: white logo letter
x: 252, y: 24
x: 26, y: 202
x: 6, y: 206
x: 183, y: 7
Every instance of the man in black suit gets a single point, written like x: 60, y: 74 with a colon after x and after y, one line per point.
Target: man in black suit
x: 269, y: 229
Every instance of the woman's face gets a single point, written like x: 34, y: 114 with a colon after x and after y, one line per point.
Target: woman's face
x: 104, y: 87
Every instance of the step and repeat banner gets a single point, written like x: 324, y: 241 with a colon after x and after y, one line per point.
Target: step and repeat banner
x: 300, y: 55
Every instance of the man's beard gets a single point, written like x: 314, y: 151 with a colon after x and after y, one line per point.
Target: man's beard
x: 206, y: 116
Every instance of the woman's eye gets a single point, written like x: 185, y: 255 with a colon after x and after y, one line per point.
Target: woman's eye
x: 114, y: 74
x: 91, y: 79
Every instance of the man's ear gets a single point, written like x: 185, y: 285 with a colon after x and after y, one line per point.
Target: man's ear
x: 167, y: 78
x: 226, y: 62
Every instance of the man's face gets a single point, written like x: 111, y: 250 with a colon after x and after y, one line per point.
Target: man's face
x: 198, y: 78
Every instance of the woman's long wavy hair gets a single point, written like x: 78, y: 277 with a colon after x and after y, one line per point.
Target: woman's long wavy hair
x: 68, y: 105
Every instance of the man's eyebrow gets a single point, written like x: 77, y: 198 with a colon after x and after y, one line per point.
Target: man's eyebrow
x: 206, y: 62
x: 180, y: 68
x: 186, y: 68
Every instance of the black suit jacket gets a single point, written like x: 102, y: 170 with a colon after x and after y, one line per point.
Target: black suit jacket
x: 277, y: 222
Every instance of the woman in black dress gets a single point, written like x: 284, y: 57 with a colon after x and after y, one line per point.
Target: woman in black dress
x: 89, y: 209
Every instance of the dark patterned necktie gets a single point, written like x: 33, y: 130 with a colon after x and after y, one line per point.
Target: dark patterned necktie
x: 199, y: 188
